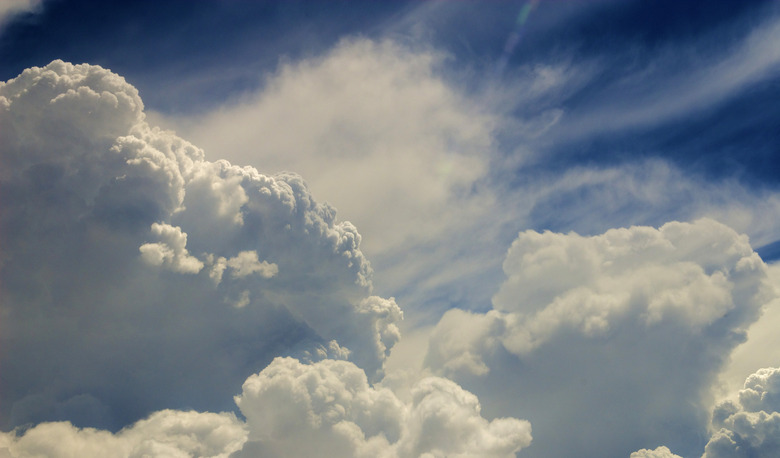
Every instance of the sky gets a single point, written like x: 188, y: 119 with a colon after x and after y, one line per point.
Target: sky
x: 389, y: 229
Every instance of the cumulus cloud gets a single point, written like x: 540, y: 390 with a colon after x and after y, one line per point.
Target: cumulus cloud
x: 378, y: 130
x: 345, y: 119
x: 166, y: 433
x: 124, y: 249
x: 328, y: 408
x: 292, y: 409
x: 660, y: 452
x: 588, y: 331
x: 171, y: 252
x: 750, y: 426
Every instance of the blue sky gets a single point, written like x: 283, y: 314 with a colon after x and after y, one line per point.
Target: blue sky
x: 551, y: 219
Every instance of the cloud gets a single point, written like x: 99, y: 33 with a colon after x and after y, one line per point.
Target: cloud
x: 381, y: 131
x: 10, y: 8
x: 329, y: 408
x: 305, y: 410
x: 124, y: 249
x: 165, y: 433
x: 678, y: 79
x: 660, y: 452
x: 751, y: 426
x: 124, y: 252
x: 588, y: 331
x: 172, y: 252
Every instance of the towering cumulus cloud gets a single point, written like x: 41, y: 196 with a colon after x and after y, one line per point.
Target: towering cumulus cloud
x: 135, y: 273
x: 612, y: 341
x: 140, y: 282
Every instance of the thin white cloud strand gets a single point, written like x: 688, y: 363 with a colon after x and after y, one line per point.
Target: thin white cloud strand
x: 116, y: 239
x: 677, y: 82
x: 633, y: 320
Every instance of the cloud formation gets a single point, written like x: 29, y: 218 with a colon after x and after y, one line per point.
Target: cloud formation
x: 588, y: 331
x: 329, y: 408
x: 123, y: 249
x: 166, y: 433
x: 304, y: 410
x: 751, y: 426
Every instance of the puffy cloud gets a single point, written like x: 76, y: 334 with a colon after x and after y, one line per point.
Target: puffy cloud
x: 305, y: 410
x: 750, y: 427
x: 247, y: 263
x: 328, y: 408
x: 166, y: 433
x: 123, y: 249
x: 660, y: 452
x: 586, y: 332
x: 171, y: 252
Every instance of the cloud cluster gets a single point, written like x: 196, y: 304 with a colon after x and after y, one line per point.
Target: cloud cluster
x: 124, y: 250
x: 304, y: 410
x: 586, y: 332
x: 331, y: 404
x: 141, y: 281
x: 751, y: 426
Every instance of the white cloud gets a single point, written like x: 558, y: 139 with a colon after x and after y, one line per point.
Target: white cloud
x: 750, y: 427
x: 379, y: 133
x: 171, y: 252
x: 166, y: 433
x: 98, y: 199
x: 660, y: 452
x: 633, y: 320
x: 329, y: 408
x: 305, y: 410
x: 247, y: 263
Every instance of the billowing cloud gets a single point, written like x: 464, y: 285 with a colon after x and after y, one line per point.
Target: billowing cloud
x: 304, y: 410
x: 124, y: 250
x: 171, y: 252
x: 587, y: 332
x: 750, y: 426
x: 166, y: 433
x: 660, y: 452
